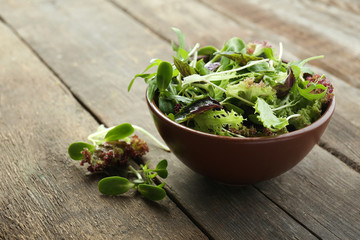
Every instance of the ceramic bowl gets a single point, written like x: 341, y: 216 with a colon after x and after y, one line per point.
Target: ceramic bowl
x: 234, y: 160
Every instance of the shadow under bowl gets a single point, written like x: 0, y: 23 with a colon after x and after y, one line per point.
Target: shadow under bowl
x: 239, y: 161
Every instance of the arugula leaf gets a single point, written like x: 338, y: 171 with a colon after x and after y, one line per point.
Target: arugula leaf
x: 307, y: 92
x: 267, y: 116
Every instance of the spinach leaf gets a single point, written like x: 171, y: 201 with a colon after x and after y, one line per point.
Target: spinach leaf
x: 164, y: 75
x: 208, y: 51
x: 235, y: 45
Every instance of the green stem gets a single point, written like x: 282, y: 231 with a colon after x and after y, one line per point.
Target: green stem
x: 292, y: 116
x: 163, y: 146
x: 95, y: 141
x: 235, y: 96
x: 280, y: 51
x: 194, y: 50
x: 136, y: 173
x: 237, y: 69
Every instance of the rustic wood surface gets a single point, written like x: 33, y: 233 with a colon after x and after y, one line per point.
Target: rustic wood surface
x: 44, y: 193
x: 65, y: 67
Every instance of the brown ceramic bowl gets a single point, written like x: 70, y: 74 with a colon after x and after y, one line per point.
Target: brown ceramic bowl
x: 234, y: 160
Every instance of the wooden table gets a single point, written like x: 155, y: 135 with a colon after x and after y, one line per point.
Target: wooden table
x: 64, y: 69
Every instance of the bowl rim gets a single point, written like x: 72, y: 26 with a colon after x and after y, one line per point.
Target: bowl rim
x: 326, y: 115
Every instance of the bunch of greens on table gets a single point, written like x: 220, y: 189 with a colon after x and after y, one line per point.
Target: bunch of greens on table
x: 240, y: 90
x: 114, y: 151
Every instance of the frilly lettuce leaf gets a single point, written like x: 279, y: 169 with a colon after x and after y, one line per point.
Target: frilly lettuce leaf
x: 250, y: 90
x: 214, y: 121
x: 307, y: 116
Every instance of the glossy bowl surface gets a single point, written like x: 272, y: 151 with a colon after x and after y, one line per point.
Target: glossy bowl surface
x: 239, y: 161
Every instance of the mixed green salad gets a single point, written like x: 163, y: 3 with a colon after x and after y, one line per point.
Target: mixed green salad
x: 240, y: 90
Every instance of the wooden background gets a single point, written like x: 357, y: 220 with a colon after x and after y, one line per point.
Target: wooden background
x: 64, y: 69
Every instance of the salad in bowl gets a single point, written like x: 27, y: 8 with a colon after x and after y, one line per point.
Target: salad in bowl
x: 239, y: 114
x: 240, y: 90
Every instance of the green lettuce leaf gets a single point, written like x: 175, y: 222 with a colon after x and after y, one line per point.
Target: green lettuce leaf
x: 214, y: 121
x: 267, y: 116
x: 308, y: 115
x: 235, y: 45
x: 250, y: 90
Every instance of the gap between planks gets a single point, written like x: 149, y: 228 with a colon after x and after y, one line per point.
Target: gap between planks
x: 172, y: 195
x: 99, y: 120
x: 67, y: 88
x: 342, y: 157
x: 349, y: 162
x: 159, y: 35
x: 288, y: 213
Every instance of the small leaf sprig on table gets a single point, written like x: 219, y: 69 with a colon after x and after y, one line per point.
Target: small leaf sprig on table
x: 111, y: 151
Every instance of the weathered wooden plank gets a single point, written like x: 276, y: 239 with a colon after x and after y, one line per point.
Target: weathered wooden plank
x: 336, y: 7
x: 313, y: 31
x: 45, y: 195
x: 348, y: 100
x: 307, y: 29
x: 320, y: 192
x: 318, y: 219
x: 346, y: 118
x: 81, y: 55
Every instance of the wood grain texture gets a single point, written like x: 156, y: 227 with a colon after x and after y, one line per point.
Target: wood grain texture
x: 305, y: 28
x: 252, y: 218
x: 86, y: 56
x: 324, y: 198
x: 311, y: 30
x: 170, y: 13
x: 45, y: 195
